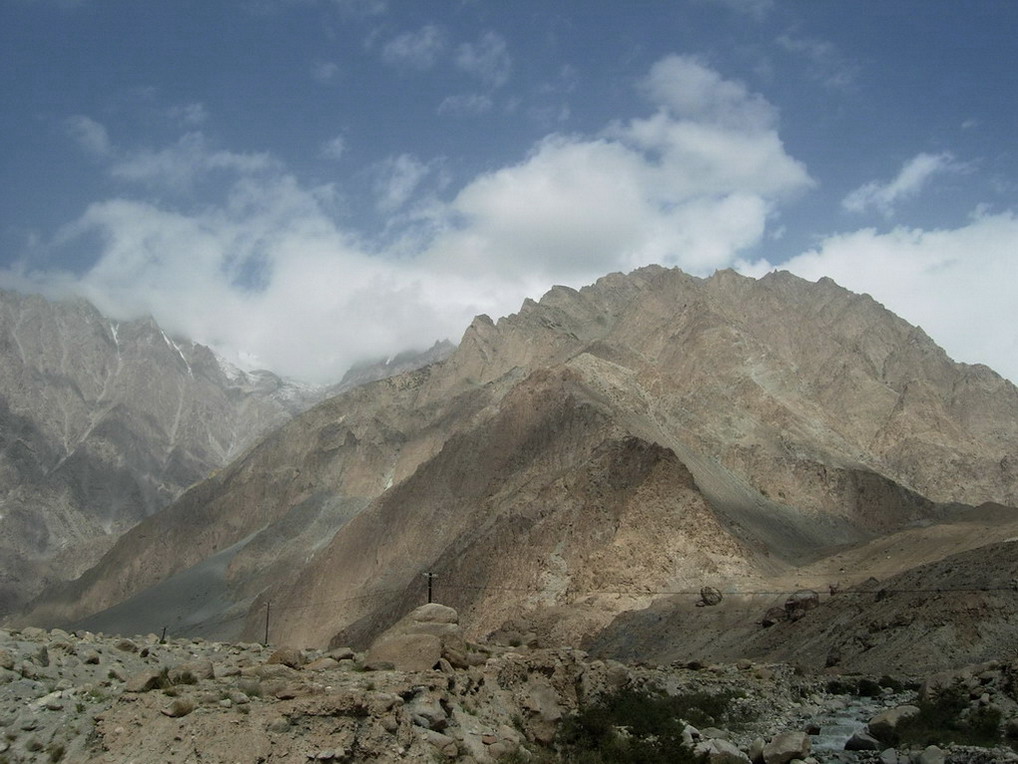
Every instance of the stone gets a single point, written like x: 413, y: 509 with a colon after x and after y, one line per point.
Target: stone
x: 931, y: 755
x: 772, y: 616
x: 287, y: 656
x: 410, y: 644
x: 179, y: 707
x: 718, y: 751
x: 889, y: 756
x: 755, y: 750
x: 802, y: 601
x: 6, y: 659
x: 710, y: 596
x: 278, y: 724
x: 427, y: 711
x: 433, y: 612
x: 862, y: 741
x: 786, y: 746
x: 408, y: 652
x: 884, y: 726
x: 322, y: 664
x: 144, y: 681
x: 127, y: 645
x: 191, y: 672
x: 443, y: 743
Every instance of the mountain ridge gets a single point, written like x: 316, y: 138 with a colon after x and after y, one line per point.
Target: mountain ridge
x: 810, y: 420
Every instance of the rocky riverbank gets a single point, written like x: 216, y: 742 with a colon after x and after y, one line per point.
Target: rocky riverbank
x: 85, y: 697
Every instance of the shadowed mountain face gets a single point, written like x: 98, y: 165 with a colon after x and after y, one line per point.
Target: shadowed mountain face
x: 101, y: 424
x: 651, y: 433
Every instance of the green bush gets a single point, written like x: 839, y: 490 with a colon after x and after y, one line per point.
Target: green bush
x: 644, y: 726
x: 946, y: 718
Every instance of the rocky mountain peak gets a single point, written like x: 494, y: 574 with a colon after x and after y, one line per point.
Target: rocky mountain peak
x: 599, y: 452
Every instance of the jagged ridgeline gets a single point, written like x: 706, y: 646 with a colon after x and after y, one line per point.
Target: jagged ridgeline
x: 599, y: 453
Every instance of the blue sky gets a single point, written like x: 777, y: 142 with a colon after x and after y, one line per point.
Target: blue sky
x: 305, y: 183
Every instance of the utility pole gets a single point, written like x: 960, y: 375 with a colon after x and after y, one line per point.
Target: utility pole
x: 268, y: 606
x: 430, y: 576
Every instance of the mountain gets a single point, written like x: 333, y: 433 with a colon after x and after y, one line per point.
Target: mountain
x: 104, y: 422
x: 598, y: 453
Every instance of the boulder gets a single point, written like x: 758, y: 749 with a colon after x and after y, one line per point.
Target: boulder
x: 191, y: 672
x: 426, y: 711
x: 884, y: 726
x: 774, y: 615
x: 931, y: 755
x: 287, y: 656
x: 718, y: 751
x: 800, y: 603
x: 862, y: 741
x: 145, y: 681
x: 179, y: 707
x: 420, y: 639
x: 407, y: 652
x: 786, y: 746
x: 710, y: 596
x: 756, y: 749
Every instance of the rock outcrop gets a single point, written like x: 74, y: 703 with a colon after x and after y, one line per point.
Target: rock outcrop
x: 421, y: 640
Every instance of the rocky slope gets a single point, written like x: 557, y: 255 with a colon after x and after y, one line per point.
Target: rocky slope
x: 591, y: 455
x: 84, y: 697
x: 104, y: 422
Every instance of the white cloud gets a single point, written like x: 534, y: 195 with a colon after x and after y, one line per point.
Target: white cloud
x: 325, y: 72
x: 824, y: 62
x: 466, y: 104
x: 488, y: 59
x: 179, y: 165
x: 692, y: 185
x: 397, y: 179
x: 913, y: 177
x: 363, y: 8
x: 755, y: 8
x: 690, y: 90
x: 334, y: 148
x: 418, y: 49
x: 89, y: 134
x: 268, y: 273
x: 189, y: 114
x: 958, y: 284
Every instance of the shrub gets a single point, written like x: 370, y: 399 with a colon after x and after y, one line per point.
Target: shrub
x: 867, y: 688
x: 946, y: 718
x: 645, y: 726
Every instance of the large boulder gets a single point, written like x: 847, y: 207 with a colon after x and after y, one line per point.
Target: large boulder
x: 786, y: 746
x: 419, y: 640
x: 797, y: 605
x: 718, y: 751
x: 884, y: 726
x: 710, y: 596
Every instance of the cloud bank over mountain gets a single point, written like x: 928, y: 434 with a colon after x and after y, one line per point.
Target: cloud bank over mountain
x: 493, y: 174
